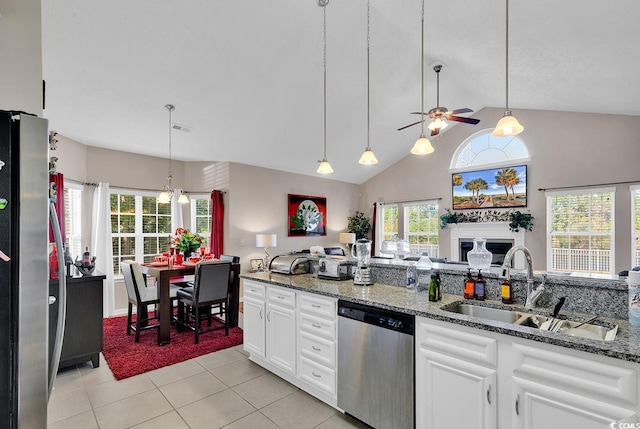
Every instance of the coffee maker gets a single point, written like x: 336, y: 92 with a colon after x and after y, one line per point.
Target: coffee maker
x: 361, y: 250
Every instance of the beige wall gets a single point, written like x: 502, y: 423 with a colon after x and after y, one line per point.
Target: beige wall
x: 567, y: 149
x: 21, y: 53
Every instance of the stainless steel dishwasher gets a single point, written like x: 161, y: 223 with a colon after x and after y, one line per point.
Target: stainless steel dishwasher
x: 375, y: 365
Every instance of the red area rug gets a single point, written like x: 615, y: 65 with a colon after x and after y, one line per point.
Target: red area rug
x: 127, y: 358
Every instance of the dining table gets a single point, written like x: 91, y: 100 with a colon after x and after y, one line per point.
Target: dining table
x: 164, y: 274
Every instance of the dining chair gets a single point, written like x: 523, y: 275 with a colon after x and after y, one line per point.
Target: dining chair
x: 230, y: 258
x: 141, y: 296
x: 211, y: 288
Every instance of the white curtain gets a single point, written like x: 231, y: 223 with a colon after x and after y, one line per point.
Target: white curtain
x: 176, y: 211
x: 379, y: 231
x: 101, y: 242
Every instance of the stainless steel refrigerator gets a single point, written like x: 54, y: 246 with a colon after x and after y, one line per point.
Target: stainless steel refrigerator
x: 26, y: 372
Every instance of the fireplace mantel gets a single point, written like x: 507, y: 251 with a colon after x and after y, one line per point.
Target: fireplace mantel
x: 488, y: 230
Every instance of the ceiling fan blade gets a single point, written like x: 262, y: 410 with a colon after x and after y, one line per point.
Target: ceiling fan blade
x: 411, y: 125
x: 458, y: 111
x: 472, y: 121
x: 435, y: 132
x: 419, y: 113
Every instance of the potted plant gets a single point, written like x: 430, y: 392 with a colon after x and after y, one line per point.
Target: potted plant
x: 449, y: 217
x: 359, y: 224
x: 518, y: 220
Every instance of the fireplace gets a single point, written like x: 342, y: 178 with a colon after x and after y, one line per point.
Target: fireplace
x: 498, y: 249
x: 499, y: 240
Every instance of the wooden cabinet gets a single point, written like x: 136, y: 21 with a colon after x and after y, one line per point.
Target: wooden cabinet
x: 456, y: 376
x: 83, y: 329
x: 468, y: 377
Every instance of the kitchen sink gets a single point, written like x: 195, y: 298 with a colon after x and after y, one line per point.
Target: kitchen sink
x: 532, y: 320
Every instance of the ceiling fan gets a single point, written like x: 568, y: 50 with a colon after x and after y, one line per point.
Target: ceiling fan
x: 438, y: 115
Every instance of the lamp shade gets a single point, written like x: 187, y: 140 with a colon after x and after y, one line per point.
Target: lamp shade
x: 368, y: 158
x: 507, y: 126
x: 164, y: 197
x: 266, y: 240
x: 347, y: 237
x: 324, y: 167
x: 422, y: 146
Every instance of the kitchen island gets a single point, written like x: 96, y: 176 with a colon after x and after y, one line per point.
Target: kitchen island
x: 504, y: 375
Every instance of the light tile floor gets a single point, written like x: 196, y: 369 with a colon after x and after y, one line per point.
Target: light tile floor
x: 219, y: 390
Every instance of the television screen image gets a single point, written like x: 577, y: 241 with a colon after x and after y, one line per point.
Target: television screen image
x: 503, y: 187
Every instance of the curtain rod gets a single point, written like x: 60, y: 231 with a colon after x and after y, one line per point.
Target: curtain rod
x: 137, y: 189
x: 630, y: 182
x: 409, y: 201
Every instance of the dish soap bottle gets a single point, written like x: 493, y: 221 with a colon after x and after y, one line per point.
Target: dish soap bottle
x: 479, y: 287
x: 433, y: 297
x: 506, y: 291
x: 469, y: 286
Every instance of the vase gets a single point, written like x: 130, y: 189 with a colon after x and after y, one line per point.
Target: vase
x: 479, y: 257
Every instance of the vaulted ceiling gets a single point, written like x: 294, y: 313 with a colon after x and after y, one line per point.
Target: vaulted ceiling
x: 246, y: 76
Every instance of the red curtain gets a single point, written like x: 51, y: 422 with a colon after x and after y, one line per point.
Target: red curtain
x: 56, y: 184
x: 216, y: 246
x: 373, y: 230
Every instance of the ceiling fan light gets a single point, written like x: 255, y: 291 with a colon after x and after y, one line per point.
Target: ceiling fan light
x: 423, y: 146
x: 438, y: 123
x: 164, y: 197
x: 324, y: 167
x: 507, y: 126
x: 368, y: 157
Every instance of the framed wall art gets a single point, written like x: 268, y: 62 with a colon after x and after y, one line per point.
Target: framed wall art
x: 504, y: 187
x: 307, y: 215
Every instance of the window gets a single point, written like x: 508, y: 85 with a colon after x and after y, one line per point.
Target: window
x: 73, y: 217
x: 635, y: 225
x: 140, y: 226
x: 201, y: 215
x: 417, y: 222
x: 580, y: 231
x: 482, y: 149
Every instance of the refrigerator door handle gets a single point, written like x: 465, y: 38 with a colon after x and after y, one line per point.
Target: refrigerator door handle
x: 62, y: 298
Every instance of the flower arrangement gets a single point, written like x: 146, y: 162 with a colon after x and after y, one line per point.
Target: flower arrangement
x: 186, y: 241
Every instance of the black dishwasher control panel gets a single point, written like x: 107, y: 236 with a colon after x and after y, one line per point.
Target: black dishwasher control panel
x: 393, y: 320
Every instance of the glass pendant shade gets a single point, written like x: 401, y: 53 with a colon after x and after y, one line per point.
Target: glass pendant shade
x: 423, y: 146
x: 164, y: 197
x: 368, y: 158
x: 183, y: 199
x: 324, y: 167
x: 438, y: 123
x: 507, y: 126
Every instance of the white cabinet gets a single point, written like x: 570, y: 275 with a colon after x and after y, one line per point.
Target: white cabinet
x: 467, y: 377
x: 317, y: 318
x: 293, y: 334
x: 455, y: 377
x: 281, y: 328
x: 254, y: 318
x: 562, y: 389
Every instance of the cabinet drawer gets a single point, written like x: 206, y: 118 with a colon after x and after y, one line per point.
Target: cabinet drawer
x: 318, y: 305
x: 319, y: 376
x: 283, y: 297
x: 318, y: 326
x: 253, y: 289
x: 318, y: 349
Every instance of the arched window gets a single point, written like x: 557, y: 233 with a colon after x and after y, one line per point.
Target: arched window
x: 483, y: 149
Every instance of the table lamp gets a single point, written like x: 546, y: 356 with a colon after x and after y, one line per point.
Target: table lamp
x: 265, y: 241
x: 348, y: 238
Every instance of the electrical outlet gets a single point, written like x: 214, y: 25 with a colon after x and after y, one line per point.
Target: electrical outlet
x: 243, y: 242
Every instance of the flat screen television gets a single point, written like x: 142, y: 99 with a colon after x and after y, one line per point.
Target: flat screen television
x: 503, y: 187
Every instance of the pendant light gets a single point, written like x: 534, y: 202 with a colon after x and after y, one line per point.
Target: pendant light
x: 166, y: 195
x: 508, y: 125
x: 325, y: 167
x: 368, y: 157
x: 423, y: 145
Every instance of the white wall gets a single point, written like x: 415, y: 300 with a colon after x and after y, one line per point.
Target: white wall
x: 567, y: 149
x: 21, y: 53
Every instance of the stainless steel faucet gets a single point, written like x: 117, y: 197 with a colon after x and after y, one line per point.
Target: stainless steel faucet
x: 533, y: 295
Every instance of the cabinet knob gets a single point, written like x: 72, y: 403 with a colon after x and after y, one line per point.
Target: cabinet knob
x: 518, y: 405
x: 315, y: 348
x: 316, y: 375
x: 316, y: 305
x: 489, y: 395
x: 316, y: 326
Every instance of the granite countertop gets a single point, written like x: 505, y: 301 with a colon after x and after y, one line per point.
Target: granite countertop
x: 625, y: 346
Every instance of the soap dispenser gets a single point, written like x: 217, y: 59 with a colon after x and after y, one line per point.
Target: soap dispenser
x: 480, y: 287
x: 506, y: 291
x: 469, y: 286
